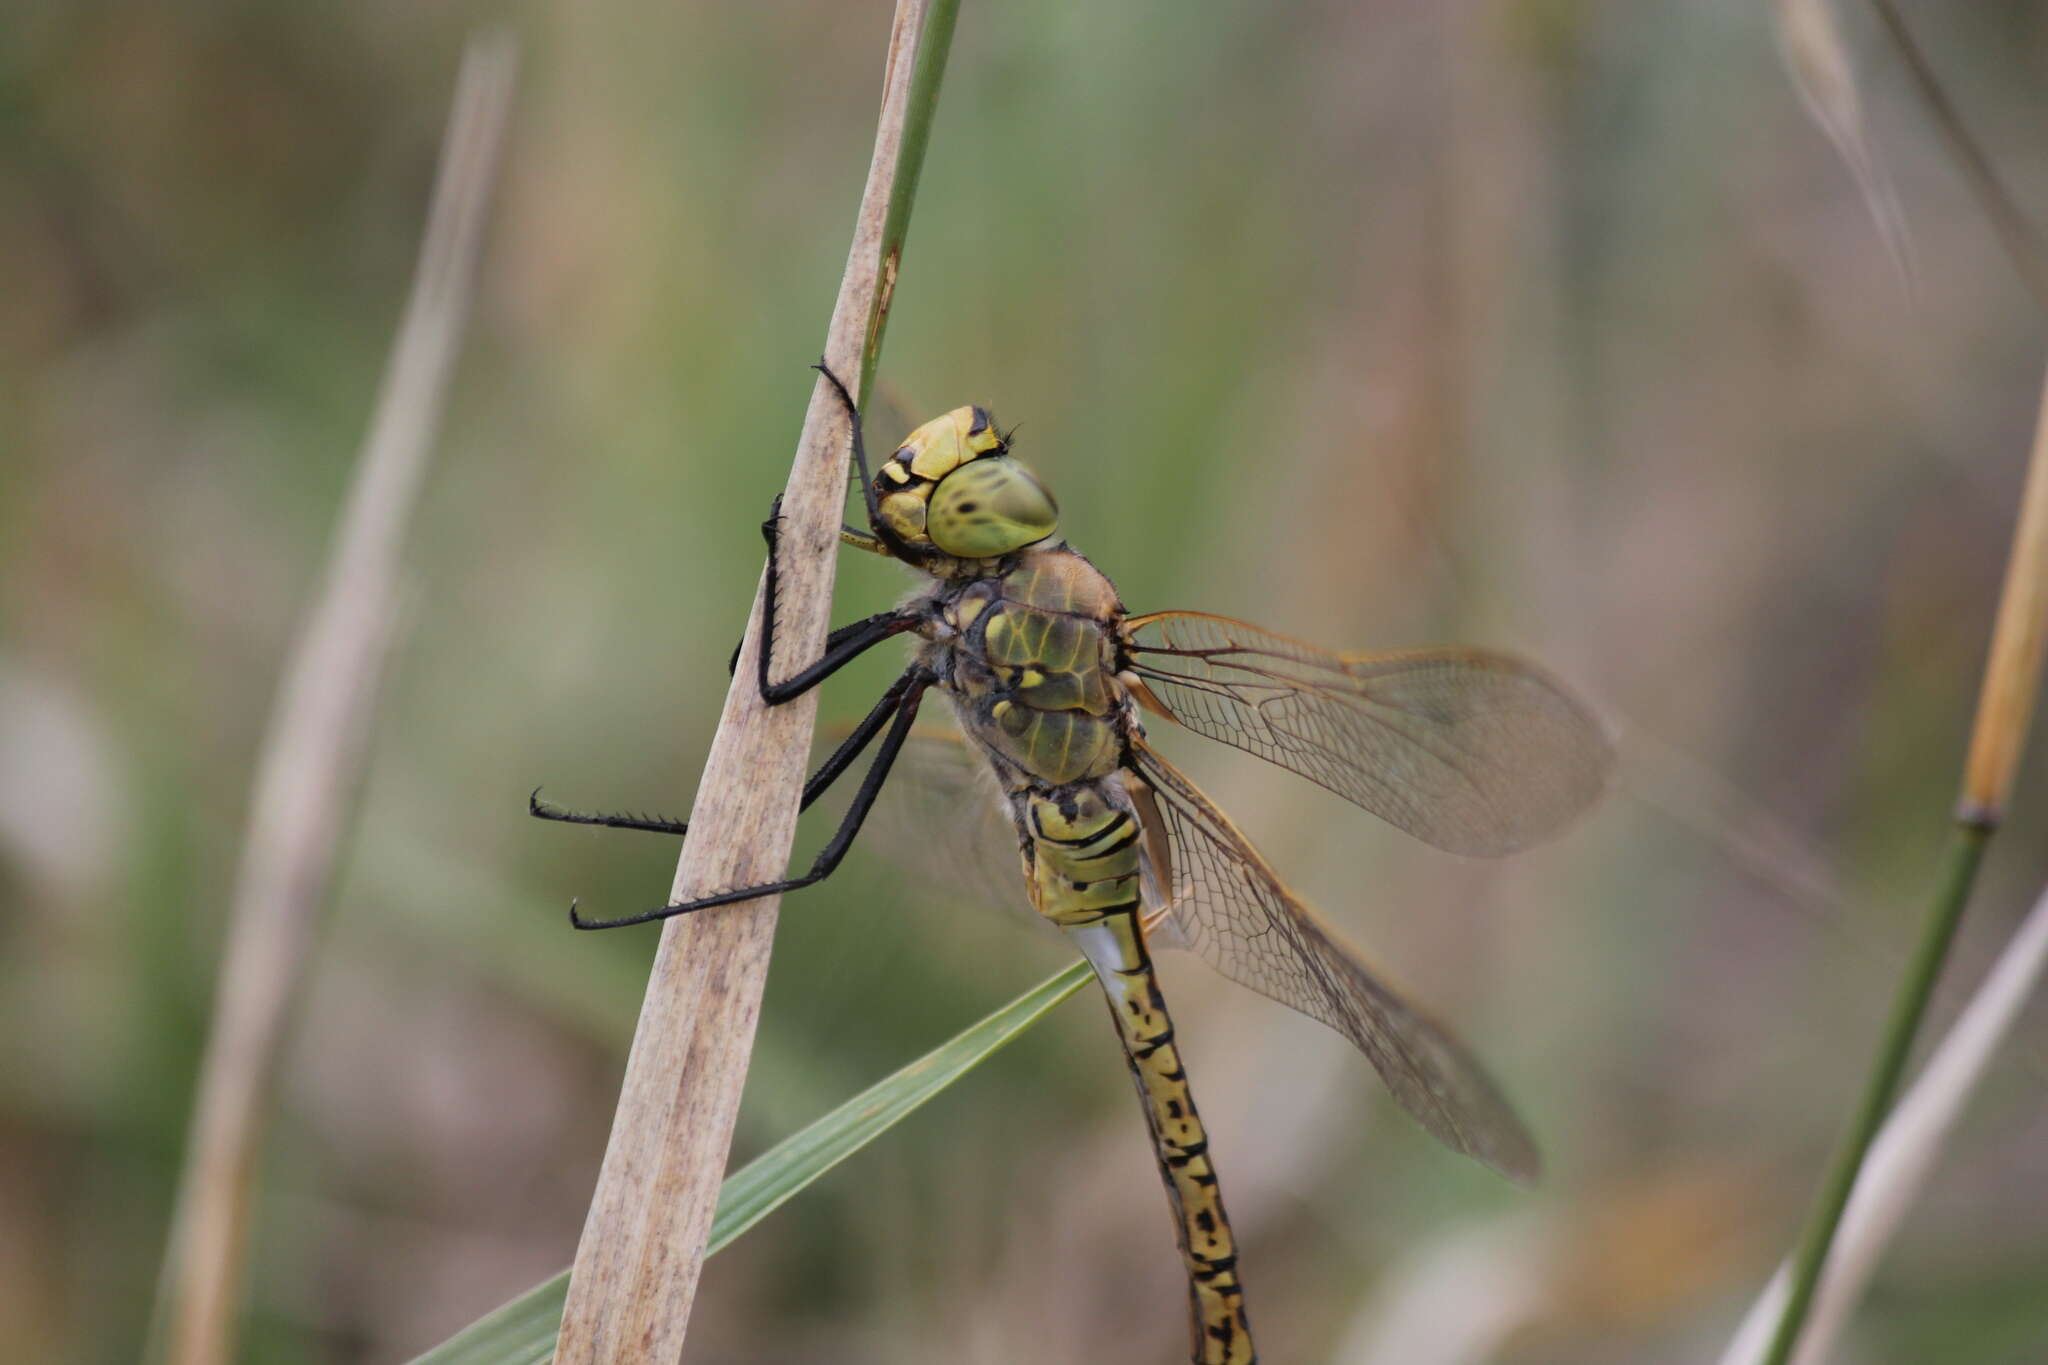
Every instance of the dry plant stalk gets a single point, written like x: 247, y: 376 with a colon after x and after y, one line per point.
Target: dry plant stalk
x: 2012, y: 677
x: 1820, y: 69
x: 1822, y: 73
x: 313, y: 759
x: 2005, y: 707
x: 636, y: 1270
x: 2015, y: 230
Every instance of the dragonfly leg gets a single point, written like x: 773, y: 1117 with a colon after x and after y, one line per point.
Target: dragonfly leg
x: 912, y: 687
x: 841, y: 646
x: 883, y: 539
x: 544, y: 810
x: 860, y: 452
x: 860, y: 540
x: 828, y: 772
x: 832, y: 641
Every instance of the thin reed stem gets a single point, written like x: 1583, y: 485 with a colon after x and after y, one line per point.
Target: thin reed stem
x: 637, y: 1265
x: 2012, y: 677
x: 1959, y: 874
x: 315, y: 752
x: 1905, y: 1151
x: 2016, y: 233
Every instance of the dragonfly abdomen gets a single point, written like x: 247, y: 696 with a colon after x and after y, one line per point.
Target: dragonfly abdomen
x: 1115, y: 946
x: 1084, y: 853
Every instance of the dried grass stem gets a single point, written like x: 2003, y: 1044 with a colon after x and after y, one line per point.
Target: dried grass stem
x: 312, y: 764
x: 637, y: 1264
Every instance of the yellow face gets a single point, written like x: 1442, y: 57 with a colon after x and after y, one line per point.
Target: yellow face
x: 953, y: 485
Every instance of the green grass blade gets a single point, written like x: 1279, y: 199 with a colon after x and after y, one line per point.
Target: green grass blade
x: 1965, y: 856
x: 522, y: 1332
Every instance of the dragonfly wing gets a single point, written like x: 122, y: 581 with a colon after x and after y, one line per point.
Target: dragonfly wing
x: 1475, y: 752
x: 1157, y: 887
x: 942, y: 822
x: 1231, y: 907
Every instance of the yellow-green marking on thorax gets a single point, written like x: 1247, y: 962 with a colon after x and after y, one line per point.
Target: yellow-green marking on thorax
x: 1032, y: 670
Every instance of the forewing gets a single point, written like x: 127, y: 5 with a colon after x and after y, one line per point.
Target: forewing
x: 1230, y: 906
x: 1473, y: 751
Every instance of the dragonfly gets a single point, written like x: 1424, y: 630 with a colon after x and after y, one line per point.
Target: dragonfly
x: 1476, y: 752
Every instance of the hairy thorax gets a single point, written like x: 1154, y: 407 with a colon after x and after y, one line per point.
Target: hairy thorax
x: 1028, y: 656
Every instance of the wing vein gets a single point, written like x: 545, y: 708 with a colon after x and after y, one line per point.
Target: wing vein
x: 1231, y: 907
x: 1472, y: 751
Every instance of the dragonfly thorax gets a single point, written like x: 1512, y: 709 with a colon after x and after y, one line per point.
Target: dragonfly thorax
x: 1029, y: 661
x: 953, y: 487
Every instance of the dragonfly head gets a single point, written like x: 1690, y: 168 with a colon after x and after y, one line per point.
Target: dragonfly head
x: 954, y: 486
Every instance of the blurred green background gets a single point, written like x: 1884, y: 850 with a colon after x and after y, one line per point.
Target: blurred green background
x: 1546, y: 325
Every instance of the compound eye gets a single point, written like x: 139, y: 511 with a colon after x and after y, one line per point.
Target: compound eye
x: 988, y: 508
